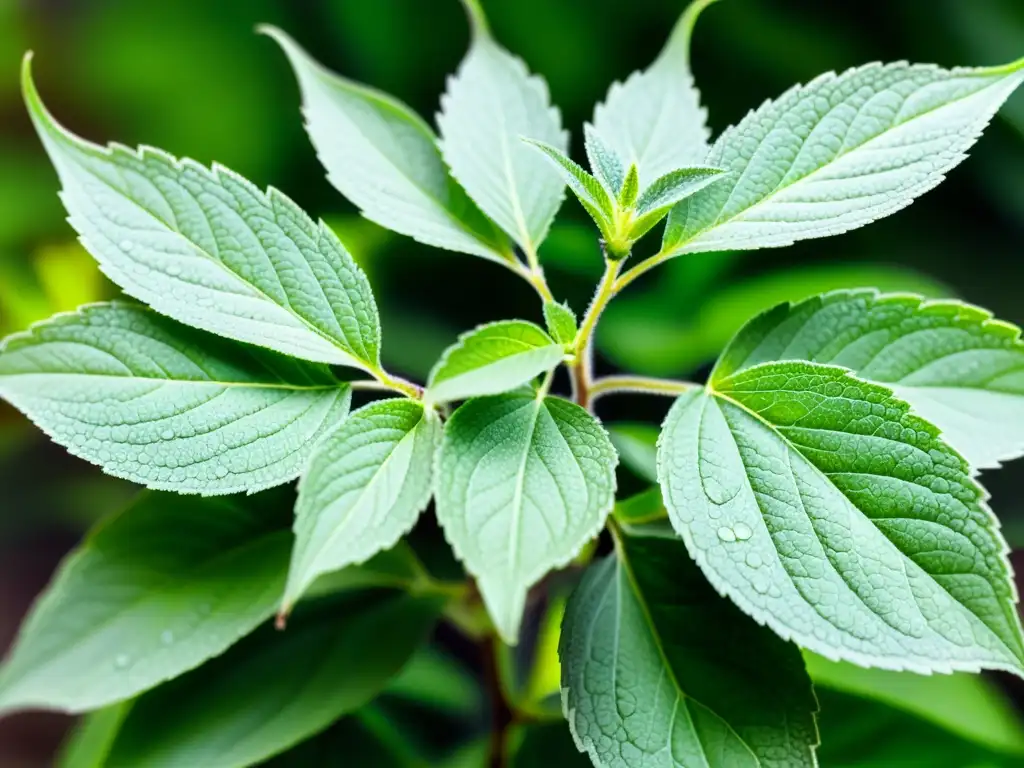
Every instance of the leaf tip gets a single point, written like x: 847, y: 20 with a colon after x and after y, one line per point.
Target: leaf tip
x: 477, y: 19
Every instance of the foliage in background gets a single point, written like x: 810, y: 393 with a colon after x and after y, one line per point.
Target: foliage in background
x: 692, y: 297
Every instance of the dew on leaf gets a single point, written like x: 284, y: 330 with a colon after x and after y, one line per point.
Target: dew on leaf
x: 725, y: 533
x: 742, y: 531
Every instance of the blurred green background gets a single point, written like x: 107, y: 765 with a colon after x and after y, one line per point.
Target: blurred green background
x: 191, y: 77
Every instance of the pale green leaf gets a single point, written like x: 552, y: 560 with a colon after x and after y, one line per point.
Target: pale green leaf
x: 956, y: 366
x: 561, y: 322
x: 155, y: 591
x: 654, y: 119
x: 89, y: 743
x: 860, y: 733
x: 659, y: 670
x: 604, y: 163
x: 970, y: 706
x: 384, y: 158
x: 523, y: 483
x: 636, y: 444
x: 168, y: 406
x: 491, y: 104
x: 209, y: 249
x: 657, y: 200
x: 674, y: 186
x: 275, y: 689
x: 588, y: 190
x: 493, y: 359
x: 838, y: 153
x: 365, y: 488
x: 630, y: 189
x: 825, y: 509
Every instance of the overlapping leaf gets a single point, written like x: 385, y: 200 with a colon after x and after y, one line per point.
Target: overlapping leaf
x: 168, y: 406
x: 493, y: 359
x: 654, y: 119
x: 957, y: 367
x: 364, y: 489
x: 209, y: 249
x: 153, y: 593
x: 523, y: 483
x: 659, y: 670
x: 838, y: 153
x: 491, y: 104
x: 276, y: 689
x: 380, y: 155
x: 824, y: 508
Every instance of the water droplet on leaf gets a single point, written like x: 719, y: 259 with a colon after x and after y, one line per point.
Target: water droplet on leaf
x: 742, y: 531
x: 725, y: 533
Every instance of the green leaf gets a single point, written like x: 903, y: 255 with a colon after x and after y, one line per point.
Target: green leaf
x: 493, y: 102
x: 275, y: 689
x: 860, y: 733
x: 675, y: 186
x: 838, y: 153
x: 537, y: 744
x: 209, y: 249
x: 384, y: 158
x: 654, y: 119
x: 364, y: 738
x: 153, y: 592
x: 91, y: 740
x: 956, y: 366
x: 561, y: 322
x: 659, y: 670
x: 645, y: 507
x: 523, y: 483
x: 167, y: 406
x: 604, y: 163
x: 636, y: 444
x: 823, y: 508
x: 492, y: 359
x: 588, y: 190
x: 365, y: 488
x: 630, y: 188
x: 969, y: 706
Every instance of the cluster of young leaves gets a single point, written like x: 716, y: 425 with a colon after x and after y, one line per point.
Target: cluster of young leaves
x: 820, y: 491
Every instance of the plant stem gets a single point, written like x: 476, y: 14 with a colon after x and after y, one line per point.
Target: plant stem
x: 644, y: 266
x: 609, y: 385
x: 386, y: 381
x: 502, y: 715
x: 582, y: 372
x: 534, y: 275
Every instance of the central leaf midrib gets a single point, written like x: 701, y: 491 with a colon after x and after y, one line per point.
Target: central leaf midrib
x: 517, y: 496
x: 328, y: 543
x: 154, y: 380
x: 110, y: 155
x: 720, y: 222
x: 814, y: 467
